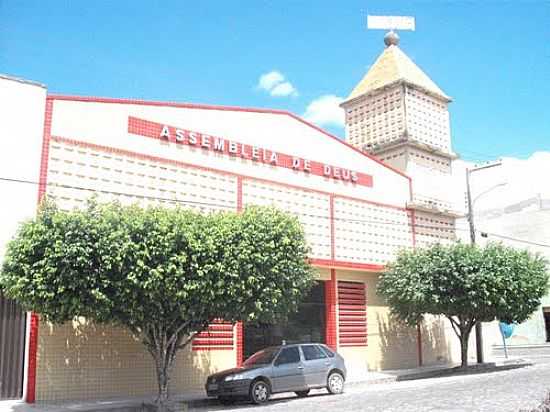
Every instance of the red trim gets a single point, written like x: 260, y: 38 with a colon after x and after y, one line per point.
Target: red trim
x: 413, y: 227
x: 213, y: 342
x: 347, y: 265
x: 154, y: 130
x: 34, y: 321
x: 223, y: 108
x: 330, y: 311
x: 43, y: 178
x: 332, y: 230
x: 209, y: 348
x: 239, y: 345
x: 33, y: 350
x: 239, y: 193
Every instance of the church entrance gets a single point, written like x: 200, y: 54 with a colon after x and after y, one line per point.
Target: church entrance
x: 307, y: 325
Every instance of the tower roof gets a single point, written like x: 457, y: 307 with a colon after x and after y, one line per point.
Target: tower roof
x: 393, y: 66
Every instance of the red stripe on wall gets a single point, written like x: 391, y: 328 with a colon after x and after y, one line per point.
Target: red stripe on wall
x: 142, y: 127
x: 332, y: 230
x: 34, y: 321
x: 352, y: 314
x: 371, y: 267
x: 239, y: 345
x: 218, y: 335
x: 330, y: 311
x: 33, y: 351
x: 239, y: 193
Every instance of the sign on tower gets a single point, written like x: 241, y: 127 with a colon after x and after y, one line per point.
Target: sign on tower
x: 391, y: 22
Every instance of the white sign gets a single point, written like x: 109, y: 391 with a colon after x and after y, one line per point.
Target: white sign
x: 391, y: 22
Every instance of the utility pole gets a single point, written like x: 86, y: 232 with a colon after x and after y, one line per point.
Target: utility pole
x: 479, y: 331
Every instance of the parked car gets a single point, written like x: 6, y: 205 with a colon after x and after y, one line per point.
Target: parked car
x: 288, y: 368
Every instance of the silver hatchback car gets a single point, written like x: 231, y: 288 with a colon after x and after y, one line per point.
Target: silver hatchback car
x: 289, y: 368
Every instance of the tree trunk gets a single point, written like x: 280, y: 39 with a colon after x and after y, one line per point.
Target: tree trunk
x: 462, y: 327
x: 164, y: 355
x: 464, y: 349
x: 163, y: 343
x: 163, y: 378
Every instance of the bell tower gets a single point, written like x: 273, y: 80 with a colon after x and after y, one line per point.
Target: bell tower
x: 397, y: 113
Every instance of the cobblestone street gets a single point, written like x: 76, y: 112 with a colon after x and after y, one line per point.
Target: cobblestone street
x: 504, y: 391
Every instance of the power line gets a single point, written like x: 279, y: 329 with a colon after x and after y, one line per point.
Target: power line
x: 229, y: 207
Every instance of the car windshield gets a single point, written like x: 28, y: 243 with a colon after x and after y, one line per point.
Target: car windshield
x: 262, y: 357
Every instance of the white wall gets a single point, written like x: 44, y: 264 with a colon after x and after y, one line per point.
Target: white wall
x: 107, y: 124
x: 22, y: 106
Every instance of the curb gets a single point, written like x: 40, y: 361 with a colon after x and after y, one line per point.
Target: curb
x: 471, y: 370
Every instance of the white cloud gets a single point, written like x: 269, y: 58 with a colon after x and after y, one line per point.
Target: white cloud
x: 325, y: 111
x: 514, y: 181
x: 284, y: 89
x: 276, y: 84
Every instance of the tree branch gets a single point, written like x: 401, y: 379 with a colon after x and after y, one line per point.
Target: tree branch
x: 455, y: 326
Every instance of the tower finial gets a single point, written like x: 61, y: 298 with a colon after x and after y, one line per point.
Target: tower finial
x: 391, y: 23
x: 391, y: 39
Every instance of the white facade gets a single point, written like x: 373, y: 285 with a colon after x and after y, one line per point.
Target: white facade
x: 22, y: 105
x: 92, y: 148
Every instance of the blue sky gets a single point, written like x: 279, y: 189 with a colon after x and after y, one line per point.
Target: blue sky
x: 492, y: 57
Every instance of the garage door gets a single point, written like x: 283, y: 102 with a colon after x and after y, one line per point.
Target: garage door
x: 12, y: 349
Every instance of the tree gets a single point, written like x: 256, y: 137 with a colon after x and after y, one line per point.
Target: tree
x: 163, y: 273
x: 466, y: 284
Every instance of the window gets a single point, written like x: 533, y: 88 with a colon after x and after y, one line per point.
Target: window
x: 328, y: 351
x: 312, y: 352
x: 288, y: 355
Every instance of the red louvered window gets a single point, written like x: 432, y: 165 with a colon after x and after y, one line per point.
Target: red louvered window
x: 352, y: 314
x: 218, y: 336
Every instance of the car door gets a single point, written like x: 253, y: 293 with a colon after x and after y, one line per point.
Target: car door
x: 288, y: 371
x: 316, y: 365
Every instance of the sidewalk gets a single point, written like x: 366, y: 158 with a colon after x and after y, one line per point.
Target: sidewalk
x: 199, y: 400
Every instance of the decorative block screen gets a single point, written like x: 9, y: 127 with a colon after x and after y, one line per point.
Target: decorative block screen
x: 352, y: 314
x: 432, y: 229
x: 432, y: 162
x: 428, y: 119
x: 76, y: 171
x: 311, y: 208
x: 377, y: 119
x: 366, y: 232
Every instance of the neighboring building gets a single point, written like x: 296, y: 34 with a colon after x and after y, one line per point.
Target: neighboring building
x: 523, y: 225
x: 357, y: 212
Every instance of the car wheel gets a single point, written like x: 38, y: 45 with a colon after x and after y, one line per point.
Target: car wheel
x: 302, y: 394
x: 335, y: 383
x: 226, y: 400
x: 259, y: 392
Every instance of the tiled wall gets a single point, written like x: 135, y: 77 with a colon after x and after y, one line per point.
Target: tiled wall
x: 369, y: 232
x: 80, y: 360
x: 377, y: 119
x: 312, y: 209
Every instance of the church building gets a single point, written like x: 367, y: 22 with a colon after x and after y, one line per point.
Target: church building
x: 360, y: 201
